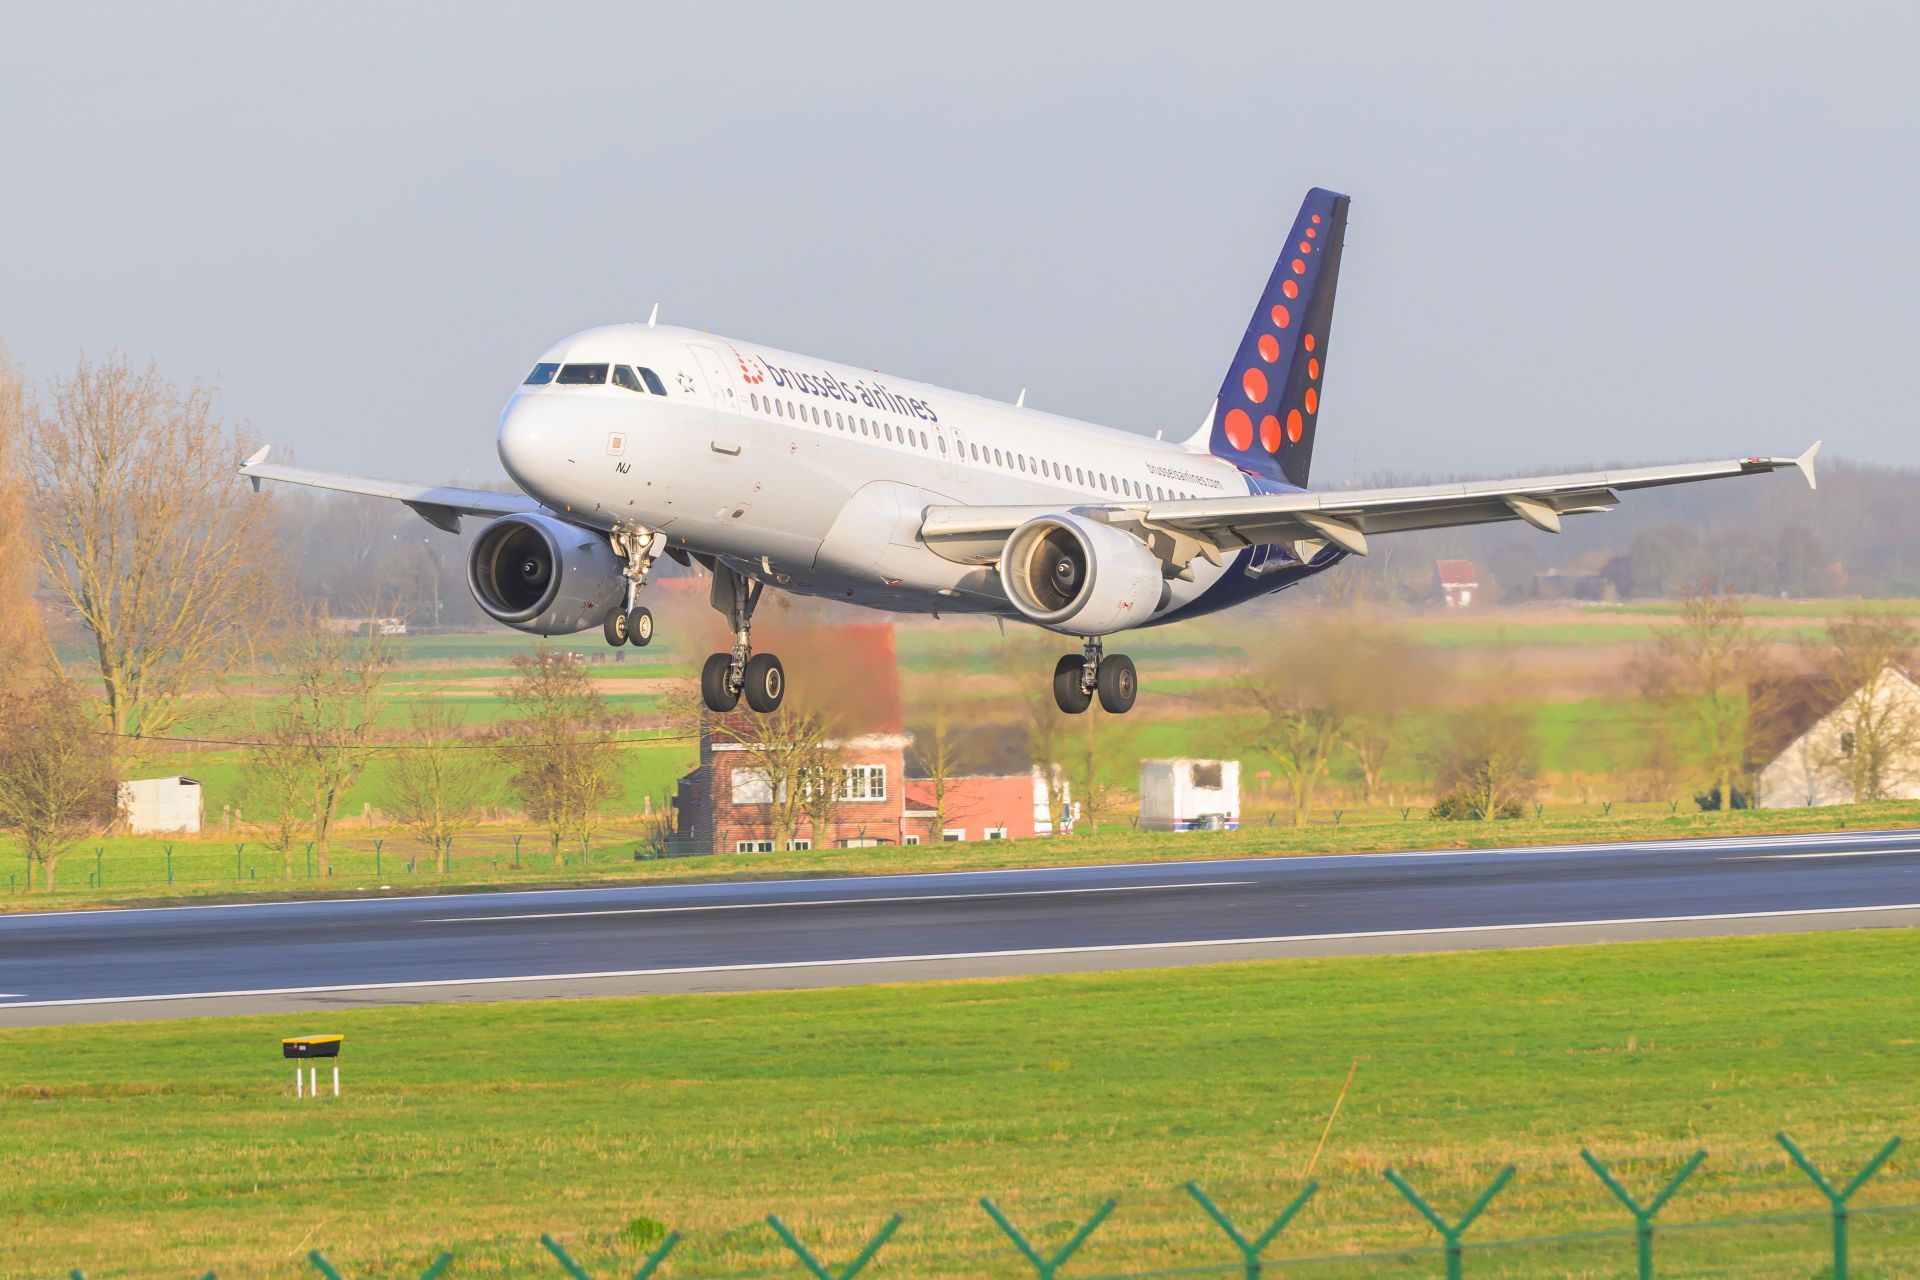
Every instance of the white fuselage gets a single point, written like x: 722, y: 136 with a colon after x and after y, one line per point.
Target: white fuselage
x: 815, y: 475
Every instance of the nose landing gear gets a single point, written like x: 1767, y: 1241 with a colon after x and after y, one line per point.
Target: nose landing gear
x: 1077, y: 679
x: 726, y: 676
x: 639, y: 546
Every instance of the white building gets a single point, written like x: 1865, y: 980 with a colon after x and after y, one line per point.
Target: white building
x: 1189, y: 795
x: 153, y: 805
x: 1812, y: 770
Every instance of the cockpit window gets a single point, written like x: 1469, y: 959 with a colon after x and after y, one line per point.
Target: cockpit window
x: 582, y: 374
x: 654, y: 384
x: 623, y: 376
x: 542, y: 374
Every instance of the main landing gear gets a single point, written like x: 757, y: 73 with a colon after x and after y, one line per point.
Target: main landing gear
x: 1076, y: 679
x: 639, y: 546
x: 726, y: 676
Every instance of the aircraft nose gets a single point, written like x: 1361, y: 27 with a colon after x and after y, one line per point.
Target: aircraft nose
x: 530, y: 444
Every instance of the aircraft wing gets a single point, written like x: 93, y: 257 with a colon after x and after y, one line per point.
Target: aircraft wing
x: 439, y: 505
x: 1343, y: 518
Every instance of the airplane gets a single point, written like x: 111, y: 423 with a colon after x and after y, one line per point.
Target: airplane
x: 630, y: 442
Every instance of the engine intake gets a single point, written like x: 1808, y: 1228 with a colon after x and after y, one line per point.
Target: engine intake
x: 542, y: 575
x: 1080, y: 576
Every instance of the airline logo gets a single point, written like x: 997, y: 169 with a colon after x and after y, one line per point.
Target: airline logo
x: 874, y: 395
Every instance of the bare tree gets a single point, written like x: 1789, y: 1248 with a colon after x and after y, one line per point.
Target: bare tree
x: 149, y: 536
x: 1045, y: 724
x: 57, y: 780
x: 1705, y: 673
x: 1878, y: 727
x: 279, y: 776
x: 1487, y: 761
x: 1376, y: 674
x: 338, y: 692
x: 437, y: 785
x: 1296, y: 713
x: 1099, y: 740
x: 557, y: 744
x: 795, y: 758
x: 19, y: 619
x: 938, y: 751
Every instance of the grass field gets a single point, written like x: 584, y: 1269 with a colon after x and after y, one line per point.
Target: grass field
x: 162, y: 1149
x: 133, y: 870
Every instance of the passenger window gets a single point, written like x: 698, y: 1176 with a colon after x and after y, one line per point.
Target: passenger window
x: 888, y: 428
x: 943, y: 445
x: 625, y: 377
x: 997, y: 460
x: 653, y: 382
x: 580, y: 375
x: 1023, y: 464
x: 542, y: 374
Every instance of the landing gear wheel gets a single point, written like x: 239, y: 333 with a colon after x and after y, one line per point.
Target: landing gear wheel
x: 1118, y: 683
x: 615, y: 628
x: 639, y: 627
x: 1069, y: 692
x: 716, y: 690
x: 766, y: 683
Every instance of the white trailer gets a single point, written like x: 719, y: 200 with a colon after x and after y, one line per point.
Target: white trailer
x: 1189, y: 795
x: 154, y: 805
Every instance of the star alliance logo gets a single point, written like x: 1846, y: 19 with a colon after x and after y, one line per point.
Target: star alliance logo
x: 686, y: 382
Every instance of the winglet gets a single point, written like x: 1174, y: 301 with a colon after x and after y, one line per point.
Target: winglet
x: 1805, y: 463
x: 260, y: 456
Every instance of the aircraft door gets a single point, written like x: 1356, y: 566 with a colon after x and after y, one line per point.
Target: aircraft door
x: 726, y: 399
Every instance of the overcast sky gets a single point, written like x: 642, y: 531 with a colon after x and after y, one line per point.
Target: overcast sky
x: 1579, y: 233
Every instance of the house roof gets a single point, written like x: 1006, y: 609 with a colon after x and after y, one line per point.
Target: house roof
x: 1457, y: 573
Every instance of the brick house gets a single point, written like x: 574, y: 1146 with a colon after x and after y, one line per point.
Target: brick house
x: 723, y: 805
x: 1456, y: 582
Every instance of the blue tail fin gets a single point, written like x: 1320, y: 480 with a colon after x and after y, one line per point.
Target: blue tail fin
x: 1264, y: 418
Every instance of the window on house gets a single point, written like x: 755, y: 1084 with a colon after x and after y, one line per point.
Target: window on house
x: 911, y: 840
x: 753, y: 846
x: 863, y: 782
x: 953, y: 835
x: 996, y: 833
x: 752, y: 786
x: 860, y: 842
x: 799, y: 846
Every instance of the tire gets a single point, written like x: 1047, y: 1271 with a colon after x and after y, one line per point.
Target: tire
x: 1118, y: 683
x: 639, y: 627
x: 766, y: 684
x: 713, y: 683
x: 1068, y: 693
x: 615, y: 628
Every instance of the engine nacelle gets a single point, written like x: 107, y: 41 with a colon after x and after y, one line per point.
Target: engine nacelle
x: 539, y: 574
x: 1081, y: 576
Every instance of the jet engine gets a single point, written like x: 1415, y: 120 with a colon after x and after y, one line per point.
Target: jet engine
x: 539, y: 574
x: 1080, y: 576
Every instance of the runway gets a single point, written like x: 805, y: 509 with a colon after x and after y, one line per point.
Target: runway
x: 255, y: 957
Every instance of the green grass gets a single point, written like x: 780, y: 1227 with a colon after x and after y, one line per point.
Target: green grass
x: 169, y: 1148
x: 133, y: 870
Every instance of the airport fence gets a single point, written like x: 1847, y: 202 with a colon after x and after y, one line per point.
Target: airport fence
x: 1839, y: 1240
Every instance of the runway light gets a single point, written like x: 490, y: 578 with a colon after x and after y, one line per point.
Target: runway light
x: 307, y: 1084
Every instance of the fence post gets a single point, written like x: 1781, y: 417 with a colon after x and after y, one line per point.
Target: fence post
x: 1643, y: 1215
x: 1047, y: 1268
x: 1250, y: 1250
x: 1837, y: 1200
x: 647, y: 1268
x: 853, y: 1268
x: 326, y: 1268
x: 376, y: 858
x: 169, y: 864
x: 1451, y: 1234
x: 99, y: 872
